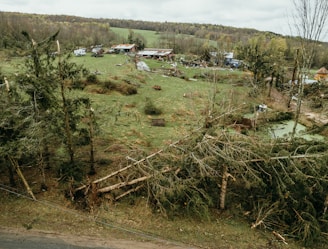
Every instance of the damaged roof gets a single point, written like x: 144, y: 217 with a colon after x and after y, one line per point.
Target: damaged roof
x: 155, y: 52
x: 322, y: 70
x: 123, y: 46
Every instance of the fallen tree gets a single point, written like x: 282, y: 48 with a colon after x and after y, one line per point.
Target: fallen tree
x: 280, y: 184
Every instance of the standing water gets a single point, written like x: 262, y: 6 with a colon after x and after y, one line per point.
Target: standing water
x: 285, y: 129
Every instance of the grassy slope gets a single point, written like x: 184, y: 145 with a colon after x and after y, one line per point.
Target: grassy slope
x: 150, y: 36
x: 133, y: 222
x: 181, y: 114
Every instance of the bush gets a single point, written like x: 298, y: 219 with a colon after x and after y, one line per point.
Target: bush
x: 281, y: 116
x: 92, y: 78
x: 68, y: 171
x: 110, y: 85
x: 83, y: 137
x: 151, y: 109
x: 126, y: 89
x: 78, y: 84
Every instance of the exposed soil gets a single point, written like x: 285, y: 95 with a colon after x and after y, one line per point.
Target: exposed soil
x: 278, y: 100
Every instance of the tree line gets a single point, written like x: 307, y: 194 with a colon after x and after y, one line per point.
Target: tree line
x: 184, y: 38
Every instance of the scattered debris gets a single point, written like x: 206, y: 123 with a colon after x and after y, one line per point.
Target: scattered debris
x: 279, y: 237
x: 142, y: 66
x: 261, y: 108
x: 158, y: 122
x: 157, y: 87
x: 192, y: 94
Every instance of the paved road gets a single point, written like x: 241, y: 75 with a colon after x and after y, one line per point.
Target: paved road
x: 18, y: 238
x: 19, y: 241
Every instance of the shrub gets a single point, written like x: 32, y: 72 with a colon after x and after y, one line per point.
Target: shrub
x: 83, y: 137
x: 92, y: 78
x: 78, y: 84
x: 282, y: 116
x: 110, y: 85
x: 68, y: 171
x: 151, y: 109
x: 126, y: 89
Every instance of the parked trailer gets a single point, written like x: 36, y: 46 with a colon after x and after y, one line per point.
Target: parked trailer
x: 80, y: 52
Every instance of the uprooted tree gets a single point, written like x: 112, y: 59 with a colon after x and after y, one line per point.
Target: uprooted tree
x: 280, y: 184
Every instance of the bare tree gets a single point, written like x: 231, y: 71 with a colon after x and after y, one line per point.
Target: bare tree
x: 310, y: 19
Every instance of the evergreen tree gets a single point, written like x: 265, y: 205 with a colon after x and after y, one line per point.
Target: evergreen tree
x: 37, y: 115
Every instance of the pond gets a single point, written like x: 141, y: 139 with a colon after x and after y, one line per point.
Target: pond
x: 285, y: 129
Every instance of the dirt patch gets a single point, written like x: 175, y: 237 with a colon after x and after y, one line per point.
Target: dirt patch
x: 278, y: 101
x: 317, y: 118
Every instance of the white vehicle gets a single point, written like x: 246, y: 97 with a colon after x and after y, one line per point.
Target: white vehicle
x: 80, y: 52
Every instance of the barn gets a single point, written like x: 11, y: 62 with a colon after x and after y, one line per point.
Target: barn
x: 156, y: 53
x: 321, y: 74
x: 124, y: 48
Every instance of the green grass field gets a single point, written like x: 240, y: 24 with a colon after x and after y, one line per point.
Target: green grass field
x: 150, y: 36
x: 183, y: 102
x: 153, y: 37
x: 123, y: 116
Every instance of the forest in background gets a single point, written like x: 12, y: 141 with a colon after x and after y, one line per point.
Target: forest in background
x: 184, y: 38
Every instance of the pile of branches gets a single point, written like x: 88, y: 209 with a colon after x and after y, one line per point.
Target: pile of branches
x: 280, y: 184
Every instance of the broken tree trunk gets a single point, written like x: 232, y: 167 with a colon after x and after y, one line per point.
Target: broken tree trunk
x: 293, y: 81
x: 92, y: 143
x: 123, y: 184
x: 224, y: 184
x: 128, y: 192
x: 14, y: 163
x: 127, y: 167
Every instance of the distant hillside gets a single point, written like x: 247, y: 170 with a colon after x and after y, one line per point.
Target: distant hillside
x: 207, y: 31
x: 83, y: 30
x: 184, y: 38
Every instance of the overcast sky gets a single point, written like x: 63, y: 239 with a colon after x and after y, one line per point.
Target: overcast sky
x: 264, y: 15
